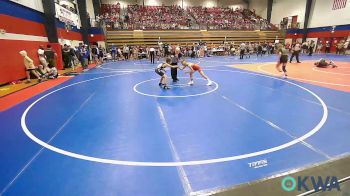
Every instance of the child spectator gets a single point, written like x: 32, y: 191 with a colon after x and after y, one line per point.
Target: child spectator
x: 30, y: 68
x: 43, y: 71
x: 53, y: 73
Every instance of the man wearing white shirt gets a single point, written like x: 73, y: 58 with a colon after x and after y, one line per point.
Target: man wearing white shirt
x: 242, y: 47
x: 126, y: 52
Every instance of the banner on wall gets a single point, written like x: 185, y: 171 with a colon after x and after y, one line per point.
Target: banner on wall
x: 339, y: 4
x: 66, y: 16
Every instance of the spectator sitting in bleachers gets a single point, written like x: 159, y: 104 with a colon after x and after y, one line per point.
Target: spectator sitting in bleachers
x: 174, y: 17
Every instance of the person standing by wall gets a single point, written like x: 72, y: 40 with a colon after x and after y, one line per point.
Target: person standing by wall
x: 66, y: 56
x: 95, y: 52
x: 328, y: 47
x: 305, y: 46
x: 340, y: 47
x: 347, y: 47
x: 319, y: 47
x: 295, y: 52
x: 101, y: 53
x: 113, y: 52
x: 73, y: 57
x: 259, y: 50
x: 126, y: 52
x: 131, y: 52
x: 273, y: 46
x: 311, y: 47
x: 152, y: 54
x: 242, y: 48
x: 51, y: 56
x: 166, y: 50
x: 83, y: 57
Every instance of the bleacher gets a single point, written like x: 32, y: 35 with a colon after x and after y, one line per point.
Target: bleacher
x: 147, y: 25
x: 188, y: 37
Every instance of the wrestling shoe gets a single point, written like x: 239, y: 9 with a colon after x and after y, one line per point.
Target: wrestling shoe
x: 209, y: 83
x: 166, y: 87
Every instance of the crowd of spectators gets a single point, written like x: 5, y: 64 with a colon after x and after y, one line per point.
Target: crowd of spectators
x: 157, y: 17
x: 110, y: 15
x: 227, y: 18
x: 175, y: 17
x: 71, y: 56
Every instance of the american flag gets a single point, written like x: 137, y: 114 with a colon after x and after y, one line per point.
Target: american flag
x: 339, y: 4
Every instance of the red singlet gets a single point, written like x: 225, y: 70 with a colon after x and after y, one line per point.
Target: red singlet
x: 196, y: 67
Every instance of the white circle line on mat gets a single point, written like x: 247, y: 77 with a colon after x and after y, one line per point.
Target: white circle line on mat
x: 328, y: 72
x: 302, y: 79
x: 180, y: 163
x: 172, y: 96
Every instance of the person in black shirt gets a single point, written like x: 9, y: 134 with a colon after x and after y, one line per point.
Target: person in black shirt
x: 328, y: 47
x: 67, y: 57
x: 175, y: 57
x: 166, y: 50
x: 311, y: 47
x: 160, y: 70
x: 94, y: 51
x: 259, y: 50
x: 50, y: 56
x: 100, y: 54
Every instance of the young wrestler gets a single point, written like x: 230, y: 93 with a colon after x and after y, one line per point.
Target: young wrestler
x: 43, y: 71
x: 283, y: 59
x: 194, y: 67
x: 160, y: 70
x: 30, y: 68
x: 322, y: 63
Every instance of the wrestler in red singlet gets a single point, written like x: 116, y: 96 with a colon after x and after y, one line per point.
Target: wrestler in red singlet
x: 196, y: 67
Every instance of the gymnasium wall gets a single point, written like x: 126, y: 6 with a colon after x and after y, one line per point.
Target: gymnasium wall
x: 286, y: 8
x: 24, y: 31
x: 325, y: 24
x: 323, y: 15
x: 33, y: 4
x: 260, y: 7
